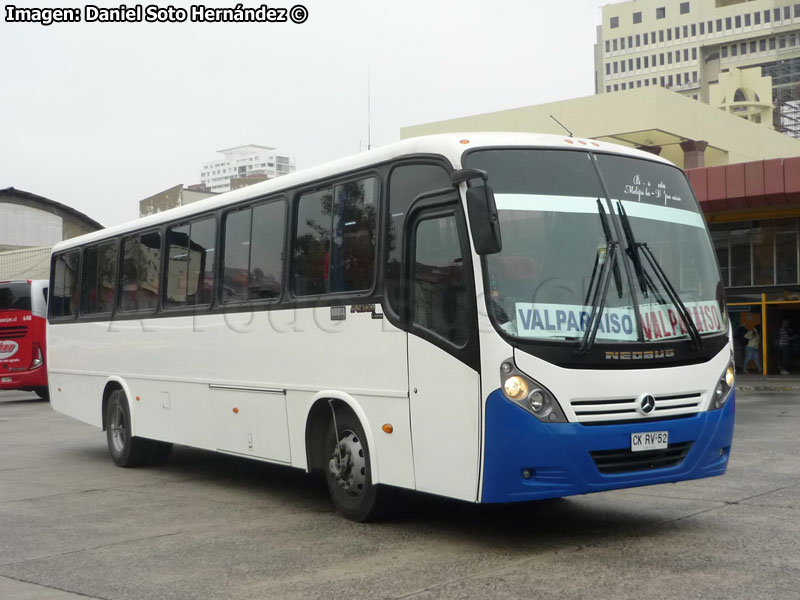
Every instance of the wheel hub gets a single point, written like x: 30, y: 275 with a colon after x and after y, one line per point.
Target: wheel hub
x: 348, y: 465
x: 117, y: 426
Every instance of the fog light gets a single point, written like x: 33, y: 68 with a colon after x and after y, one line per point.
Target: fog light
x: 536, y: 400
x: 526, y: 473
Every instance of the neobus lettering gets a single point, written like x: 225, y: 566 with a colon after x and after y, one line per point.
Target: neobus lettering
x: 640, y: 355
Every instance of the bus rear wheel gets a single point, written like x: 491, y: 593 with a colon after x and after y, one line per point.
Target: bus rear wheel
x: 348, y: 470
x: 125, y: 449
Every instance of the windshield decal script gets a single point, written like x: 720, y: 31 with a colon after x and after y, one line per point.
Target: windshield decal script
x: 641, y: 189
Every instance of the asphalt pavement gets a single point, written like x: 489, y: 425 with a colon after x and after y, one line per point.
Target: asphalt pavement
x: 207, y: 526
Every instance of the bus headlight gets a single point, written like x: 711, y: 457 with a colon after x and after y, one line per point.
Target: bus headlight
x: 529, y: 394
x: 515, y: 387
x: 722, y: 390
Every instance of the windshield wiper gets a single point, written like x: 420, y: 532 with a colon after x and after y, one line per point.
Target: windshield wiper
x: 599, y: 297
x: 631, y: 250
x: 634, y: 248
x: 645, y: 281
x: 607, y: 233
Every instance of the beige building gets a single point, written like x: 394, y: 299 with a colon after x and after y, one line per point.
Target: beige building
x: 170, y: 198
x: 689, y: 45
x: 688, y: 133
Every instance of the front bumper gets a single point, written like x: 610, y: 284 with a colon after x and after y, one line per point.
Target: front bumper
x: 557, y: 455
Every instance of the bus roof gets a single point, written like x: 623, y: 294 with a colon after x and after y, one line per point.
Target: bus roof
x: 451, y: 146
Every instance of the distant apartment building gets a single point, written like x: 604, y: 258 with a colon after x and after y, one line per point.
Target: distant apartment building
x: 244, y: 162
x: 742, y: 56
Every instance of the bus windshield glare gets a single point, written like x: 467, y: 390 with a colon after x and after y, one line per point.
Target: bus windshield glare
x: 557, y: 226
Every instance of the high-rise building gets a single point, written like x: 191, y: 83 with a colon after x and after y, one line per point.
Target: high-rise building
x: 742, y: 56
x: 244, y: 162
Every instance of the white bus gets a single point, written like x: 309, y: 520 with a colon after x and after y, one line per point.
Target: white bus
x: 490, y: 317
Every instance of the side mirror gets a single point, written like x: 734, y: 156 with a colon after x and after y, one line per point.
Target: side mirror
x: 482, y: 209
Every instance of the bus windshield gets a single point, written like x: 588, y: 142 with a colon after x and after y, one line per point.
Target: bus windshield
x: 559, y: 228
x: 15, y: 296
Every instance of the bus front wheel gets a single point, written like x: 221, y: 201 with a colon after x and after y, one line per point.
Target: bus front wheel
x: 348, y: 470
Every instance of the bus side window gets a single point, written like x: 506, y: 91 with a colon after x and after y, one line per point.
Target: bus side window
x: 65, y: 285
x: 190, y: 263
x: 99, y: 279
x: 312, y: 243
x: 439, y: 278
x: 335, y: 239
x: 252, y: 260
x: 266, y: 251
x: 406, y: 183
x: 141, y: 260
x: 353, y: 247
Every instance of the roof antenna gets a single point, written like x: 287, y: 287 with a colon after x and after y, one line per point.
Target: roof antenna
x: 562, y: 125
x: 369, y: 115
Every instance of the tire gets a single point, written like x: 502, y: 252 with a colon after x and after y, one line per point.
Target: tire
x: 126, y: 451
x: 43, y: 392
x: 348, y: 472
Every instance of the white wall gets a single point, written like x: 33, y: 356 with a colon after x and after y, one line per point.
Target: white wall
x: 26, y: 226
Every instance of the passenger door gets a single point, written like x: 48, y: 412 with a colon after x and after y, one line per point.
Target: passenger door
x: 443, y: 357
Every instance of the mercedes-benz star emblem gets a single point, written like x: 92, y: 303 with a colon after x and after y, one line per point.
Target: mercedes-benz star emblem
x: 646, y: 404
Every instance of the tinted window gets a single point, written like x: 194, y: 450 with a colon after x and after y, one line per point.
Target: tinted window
x: 253, y: 259
x: 335, y: 244
x: 64, y: 300
x: 236, y: 256
x: 141, y: 262
x: 190, y: 268
x: 440, y: 286
x: 266, y: 250
x: 353, y: 241
x: 177, y: 264
x: 201, y: 262
x: 312, y: 249
x: 406, y: 183
x: 99, y: 279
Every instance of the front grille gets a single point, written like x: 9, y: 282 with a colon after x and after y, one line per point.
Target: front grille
x: 13, y: 333
x: 624, y: 409
x: 627, y: 461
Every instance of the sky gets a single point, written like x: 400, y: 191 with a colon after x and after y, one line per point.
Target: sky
x: 99, y: 116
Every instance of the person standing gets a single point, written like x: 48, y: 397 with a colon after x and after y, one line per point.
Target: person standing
x: 753, y: 349
x: 785, y: 339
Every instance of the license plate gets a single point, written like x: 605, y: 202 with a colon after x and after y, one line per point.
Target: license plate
x: 651, y: 440
x: 6, y: 380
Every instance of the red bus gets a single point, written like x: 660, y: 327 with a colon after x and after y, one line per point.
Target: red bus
x: 23, y: 311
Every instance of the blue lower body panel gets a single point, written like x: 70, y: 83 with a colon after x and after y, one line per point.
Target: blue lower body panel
x: 557, y: 458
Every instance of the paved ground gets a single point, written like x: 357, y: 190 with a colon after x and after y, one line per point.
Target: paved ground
x: 72, y: 525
